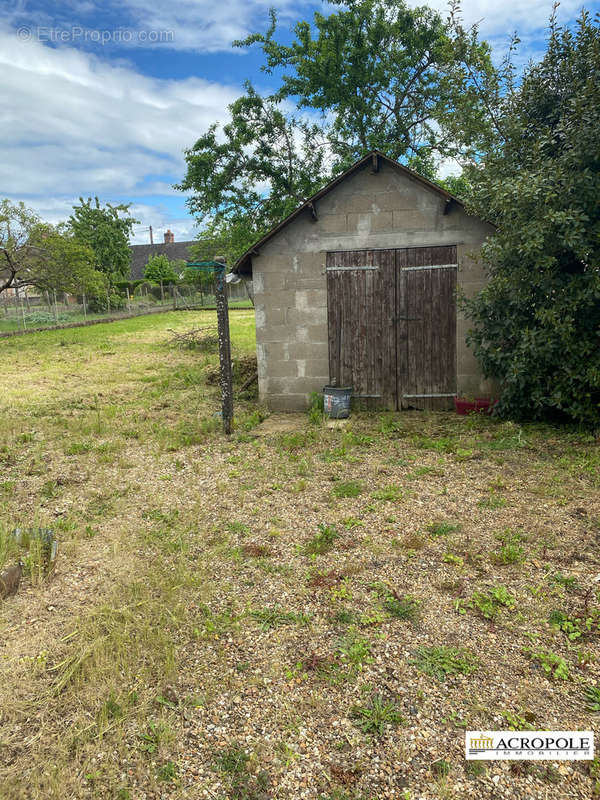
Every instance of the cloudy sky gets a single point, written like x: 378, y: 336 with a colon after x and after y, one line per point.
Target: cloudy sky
x: 102, y: 96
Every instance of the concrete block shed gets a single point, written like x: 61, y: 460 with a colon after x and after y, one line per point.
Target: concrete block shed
x: 357, y: 287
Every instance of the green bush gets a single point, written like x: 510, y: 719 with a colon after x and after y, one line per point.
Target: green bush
x: 99, y: 303
x: 536, y: 323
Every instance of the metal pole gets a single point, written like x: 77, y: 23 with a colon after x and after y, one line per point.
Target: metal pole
x: 84, y: 306
x: 224, y: 345
x: 20, y: 299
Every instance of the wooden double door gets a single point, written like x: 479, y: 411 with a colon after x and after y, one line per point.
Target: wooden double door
x: 392, y: 325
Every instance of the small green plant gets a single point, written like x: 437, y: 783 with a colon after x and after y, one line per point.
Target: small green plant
x: 344, y: 617
x: 315, y: 408
x: 348, y: 489
x: 341, y: 592
x: 238, y: 527
x: 592, y: 696
x: 442, y: 528
x: 553, y: 665
x: 396, y: 605
x: 375, y: 717
x: 167, y: 772
x: 355, y: 650
x: 516, y: 722
x: 441, y: 661
x: 390, y: 494
x: 352, y: 522
x: 511, y: 551
x: 493, y: 500
x: 406, y: 607
x: 450, y: 558
x: 489, y: 603
x: 568, y: 582
x: 233, y: 760
x: 275, y: 617
x: 441, y: 768
x: 151, y: 738
x: 575, y: 627
x: 475, y: 769
x: 322, y: 541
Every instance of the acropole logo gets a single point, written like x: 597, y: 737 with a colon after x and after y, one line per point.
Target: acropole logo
x: 525, y: 745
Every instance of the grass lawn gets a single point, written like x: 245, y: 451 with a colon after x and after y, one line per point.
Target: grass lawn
x: 310, y: 613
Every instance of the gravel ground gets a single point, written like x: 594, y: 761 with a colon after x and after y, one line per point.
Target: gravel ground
x: 329, y: 557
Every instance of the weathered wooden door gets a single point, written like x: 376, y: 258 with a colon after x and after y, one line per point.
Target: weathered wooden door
x: 361, y: 294
x: 392, y: 325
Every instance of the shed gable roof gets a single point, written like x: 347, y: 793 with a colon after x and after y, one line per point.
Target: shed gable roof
x: 243, y: 264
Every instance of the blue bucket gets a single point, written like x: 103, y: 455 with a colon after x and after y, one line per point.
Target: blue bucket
x: 336, y: 401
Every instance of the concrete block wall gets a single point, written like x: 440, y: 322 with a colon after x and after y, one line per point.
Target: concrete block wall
x: 387, y: 209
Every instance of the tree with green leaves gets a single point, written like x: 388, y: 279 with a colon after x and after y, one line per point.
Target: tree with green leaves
x: 267, y: 165
x: 160, y: 270
x: 536, y: 325
x: 375, y: 74
x: 385, y: 75
x: 106, y: 230
x: 34, y: 253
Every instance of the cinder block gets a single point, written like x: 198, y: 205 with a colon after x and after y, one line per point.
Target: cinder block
x: 351, y: 202
x: 282, y: 298
x: 280, y: 385
x: 285, y: 402
x: 411, y: 220
x: 273, y: 333
x: 313, y: 316
x: 307, y: 350
x: 394, y: 201
x: 273, y: 316
x: 276, y: 351
x: 271, y: 262
x: 383, y: 221
x: 309, y: 299
x: 295, y: 282
x: 313, y: 334
x: 273, y: 281
x: 282, y: 369
x: 316, y: 367
x: 332, y: 223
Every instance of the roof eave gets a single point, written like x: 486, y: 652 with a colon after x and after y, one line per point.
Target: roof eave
x: 243, y: 266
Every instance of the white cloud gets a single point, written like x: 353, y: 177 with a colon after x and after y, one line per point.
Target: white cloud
x: 196, y: 25
x: 74, y: 124
x: 500, y: 19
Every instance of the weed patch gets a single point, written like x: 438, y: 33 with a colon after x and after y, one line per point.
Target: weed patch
x: 439, y: 662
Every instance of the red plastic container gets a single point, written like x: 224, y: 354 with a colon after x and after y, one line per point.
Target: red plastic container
x: 482, y: 405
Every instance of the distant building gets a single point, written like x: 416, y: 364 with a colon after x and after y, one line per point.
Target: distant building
x: 142, y: 253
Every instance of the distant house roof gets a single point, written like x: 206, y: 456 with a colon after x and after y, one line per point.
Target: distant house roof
x: 244, y: 264
x: 142, y: 253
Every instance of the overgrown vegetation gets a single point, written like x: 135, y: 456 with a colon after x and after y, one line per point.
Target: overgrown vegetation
x: 208, y: 585
x: 535, y: 324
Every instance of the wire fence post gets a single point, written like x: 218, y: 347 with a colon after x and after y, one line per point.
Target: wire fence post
x: 224, y: 344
